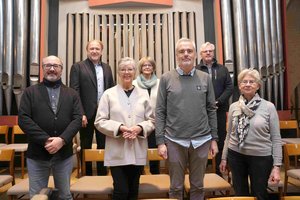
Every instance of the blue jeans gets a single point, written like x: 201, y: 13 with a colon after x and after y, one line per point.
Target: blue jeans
x: 39, y: 172
x: 179, y: 158
x: 257, y: 168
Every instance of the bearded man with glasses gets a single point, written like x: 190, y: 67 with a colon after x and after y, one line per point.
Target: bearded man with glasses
x: 50, y: 115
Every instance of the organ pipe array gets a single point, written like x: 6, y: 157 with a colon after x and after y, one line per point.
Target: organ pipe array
x: 252, y: 37
x: 15, y: 29
x: 257, y: 35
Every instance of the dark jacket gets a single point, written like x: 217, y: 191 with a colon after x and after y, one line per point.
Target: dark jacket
x: 222, y: 83
x: 83, y: 79
x: 39, y: 122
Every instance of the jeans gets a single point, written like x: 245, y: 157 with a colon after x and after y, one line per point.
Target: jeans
x: 179, y: 158
x: 39, y: 172
x: 126, y: 181
x: 257, y: 168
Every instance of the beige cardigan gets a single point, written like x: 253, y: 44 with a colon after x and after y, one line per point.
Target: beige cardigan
x: 114, y: 109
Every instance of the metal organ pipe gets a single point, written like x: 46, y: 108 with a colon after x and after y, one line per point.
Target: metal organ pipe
x: 20, y: 52
x: 1, y: 54
x: 242, y: 60
x: 228, y: 37
x: 260, y: 46
x: 8, y: 54
x: 34, y: 41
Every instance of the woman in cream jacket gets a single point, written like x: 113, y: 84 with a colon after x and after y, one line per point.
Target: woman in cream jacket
x: 125, y: 116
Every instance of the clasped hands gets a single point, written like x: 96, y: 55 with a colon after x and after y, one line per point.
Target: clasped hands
x: 130, y: 133
x: 54, y: 144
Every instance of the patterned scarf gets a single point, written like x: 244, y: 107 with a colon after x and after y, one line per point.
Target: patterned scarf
x: 144, y: 83
x: 243, y: 116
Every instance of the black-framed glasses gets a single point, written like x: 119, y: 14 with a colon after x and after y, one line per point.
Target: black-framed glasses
x: 49, y: 65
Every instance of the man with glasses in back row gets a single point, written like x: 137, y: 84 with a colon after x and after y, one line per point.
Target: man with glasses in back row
x: 223, y: 89
x: 50, y: 115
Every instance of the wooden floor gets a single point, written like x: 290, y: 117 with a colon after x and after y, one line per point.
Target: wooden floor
x: 292, y: 190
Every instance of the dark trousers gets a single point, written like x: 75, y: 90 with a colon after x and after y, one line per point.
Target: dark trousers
x: 126, y: 181
x: 221, y: 117
x: 154, y: 165
x: 257, y: 168
x: 86, y: 140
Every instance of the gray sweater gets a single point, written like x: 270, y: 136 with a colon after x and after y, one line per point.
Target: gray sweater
x: 185, y: 107
x: 263, y: 138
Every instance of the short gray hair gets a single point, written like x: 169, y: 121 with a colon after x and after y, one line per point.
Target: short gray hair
x: 251, y: 72
x: 126, y: 61
x: 207, y: 44
x: 184, y: 40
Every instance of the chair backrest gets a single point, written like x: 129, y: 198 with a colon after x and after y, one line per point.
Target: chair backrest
x: 289, y: 124
x: 290, y: 150
x: 91, y: 155
x: 16, y: 131
x: 8, y: 155
x: 4, y: 131
x: 233, y: 198
x: 153, y: 155
x: 290, y: 198
x: 213, y: 162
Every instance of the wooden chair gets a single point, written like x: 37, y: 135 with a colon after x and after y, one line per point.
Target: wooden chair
x: 92, y: 185
x: 290, y: 170
x: 4, y: 131
x: 154, y: 185
x: 233, y: 198
x: 212, y: 181
x: 21, y: 189
x: 18, y: 147
x: 7, y: 155
x: 290, y: 198
x: 289, y: 125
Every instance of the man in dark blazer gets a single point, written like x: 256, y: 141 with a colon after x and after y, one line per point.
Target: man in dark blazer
x: 50, y: 115
x: 223, y: 89
x: 90, y: 78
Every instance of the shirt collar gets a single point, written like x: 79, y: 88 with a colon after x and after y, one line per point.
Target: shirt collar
x: 181, y: 73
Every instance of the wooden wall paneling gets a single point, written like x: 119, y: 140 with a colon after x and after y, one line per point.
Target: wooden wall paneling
x: 91, y: 27
x: 158, y: 52
x: 130, y: 36
x: 176, y: 27
x: 191, y: 26
x: 77, y: 42
x: 118, y: 38
x: 111, y: 48
x: 184, y: 23
x: 125, y: 35
x: 144, y: 51
x: 85, y: 32
x: 136, y: 37
x: 165, y: 43
x: 70, y: 44
x: 150, y: 36
x: 104, y: 37
x: 97, y: 27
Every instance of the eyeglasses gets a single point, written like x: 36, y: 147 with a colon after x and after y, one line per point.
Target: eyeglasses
x: 245, y: 82
x: 147, y: 65
x: 182, y: 51
x: 49, y: 65
x: 124, y: 70
x: 207, y: 51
